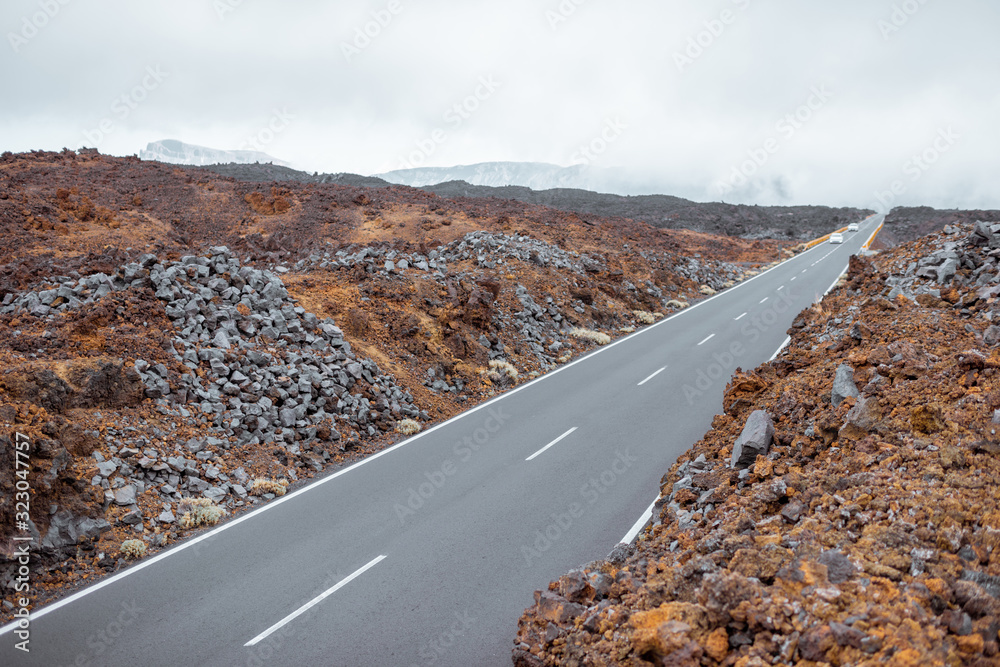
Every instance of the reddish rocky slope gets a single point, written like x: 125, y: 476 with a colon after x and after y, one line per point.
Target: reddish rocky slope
x: 168, y: 334
x: 860, y: 524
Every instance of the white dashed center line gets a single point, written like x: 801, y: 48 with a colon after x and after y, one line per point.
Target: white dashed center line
x: 652, y: 376
x: 706, y: 340
x: 315, y: 601
x: 551, y: 444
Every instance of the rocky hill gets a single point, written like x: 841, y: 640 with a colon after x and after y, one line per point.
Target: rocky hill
x: 908, y: 223
x: 798, y: 223
x: 178, y: 346
x: 844, y: 509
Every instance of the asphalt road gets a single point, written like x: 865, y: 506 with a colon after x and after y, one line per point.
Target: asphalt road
x: 427, y: 553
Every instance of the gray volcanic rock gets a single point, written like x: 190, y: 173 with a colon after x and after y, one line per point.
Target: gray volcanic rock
x: 754, y: 441
x: 843, y: 385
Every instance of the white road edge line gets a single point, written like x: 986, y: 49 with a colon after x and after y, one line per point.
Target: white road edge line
x: 778, y: 351
x: 329, y: 478
x: 551, y: 443
x: 634, y: 530
x: 651, y: 376
x: 315, y: 601
x: 834, y: 283
x: 741, y: 317
x: 706, y: 340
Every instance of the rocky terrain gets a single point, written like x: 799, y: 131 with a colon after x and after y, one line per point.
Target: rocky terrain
x: 908, y: 223
x: 844, y: 509
x: 179, y: 346
x: 798, y: 223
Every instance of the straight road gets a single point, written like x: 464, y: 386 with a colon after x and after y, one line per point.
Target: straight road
x: 427, y: 553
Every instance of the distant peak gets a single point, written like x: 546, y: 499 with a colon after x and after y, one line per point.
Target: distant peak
x: 177, y: 152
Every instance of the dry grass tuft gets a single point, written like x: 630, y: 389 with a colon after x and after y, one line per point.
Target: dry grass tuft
x: 199, y: 512
x: 262, y: 485
x: 590, y: 335
x: 133, y: 549
x: 501, y: 373
x: 407, y: 427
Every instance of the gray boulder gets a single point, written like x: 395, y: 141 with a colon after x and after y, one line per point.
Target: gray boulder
x: 754, y: 441
x: 992, y: 335
x: 982, y: 235
x: 125, y: 495
x: 862, y: 419
x: 65, y: 529
x: 843, y: 385
x: 947, y: 271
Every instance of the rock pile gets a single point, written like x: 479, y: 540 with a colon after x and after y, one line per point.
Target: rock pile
x: 866, y: 533
x: 489, y: 250
x: 259, y: 370
x: 376, y: 259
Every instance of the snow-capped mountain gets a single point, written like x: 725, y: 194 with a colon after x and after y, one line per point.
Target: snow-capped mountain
x: 177, y: 152
x: 534, y: 175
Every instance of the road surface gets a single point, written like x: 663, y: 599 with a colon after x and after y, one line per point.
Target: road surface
x: 427, y: 553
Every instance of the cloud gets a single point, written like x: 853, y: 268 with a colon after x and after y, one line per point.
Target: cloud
x: 366, y: 82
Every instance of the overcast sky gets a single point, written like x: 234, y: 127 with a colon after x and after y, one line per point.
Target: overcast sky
x: 693, y: 95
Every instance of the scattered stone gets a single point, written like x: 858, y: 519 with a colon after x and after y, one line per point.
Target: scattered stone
x: 843, y: 385
x: 754, y: 441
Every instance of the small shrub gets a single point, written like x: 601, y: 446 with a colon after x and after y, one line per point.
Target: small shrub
x: 629, y: 329
x: 591, y: 335
x: 644, y: 317
x: 133, y: 549
x: 565, y: 358
x: 262, y: 485
x: 706, y: 290
x: 199, y: 512
x: 679, y: 305
x: 501, y: 373
x: 407, y: 427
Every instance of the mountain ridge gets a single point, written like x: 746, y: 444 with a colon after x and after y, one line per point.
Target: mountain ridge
x: 174, y: 151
